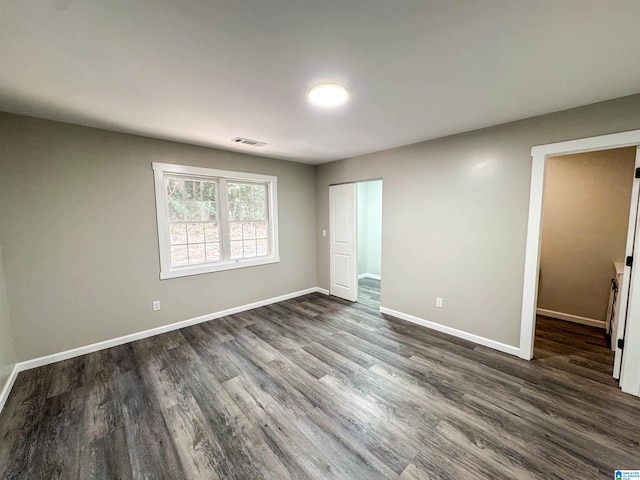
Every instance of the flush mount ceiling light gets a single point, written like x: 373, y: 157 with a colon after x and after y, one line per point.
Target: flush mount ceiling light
x: 328, y: 95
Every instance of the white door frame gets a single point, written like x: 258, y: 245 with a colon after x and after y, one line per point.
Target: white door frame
x: 630, y: 379
x: 625, y: 289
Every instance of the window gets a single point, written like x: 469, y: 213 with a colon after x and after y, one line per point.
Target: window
x: 211, y: 220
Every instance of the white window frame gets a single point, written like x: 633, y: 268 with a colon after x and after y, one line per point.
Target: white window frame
x: 168, y: 271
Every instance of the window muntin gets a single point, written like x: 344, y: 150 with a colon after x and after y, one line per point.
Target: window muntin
x: 211, y: 220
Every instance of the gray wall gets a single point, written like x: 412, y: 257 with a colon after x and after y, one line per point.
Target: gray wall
x: 7, y: 354
x: 455, y: 216
x: 585, y: 215
x: 79, y: 235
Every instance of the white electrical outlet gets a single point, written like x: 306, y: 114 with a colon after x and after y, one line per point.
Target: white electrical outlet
x: 438, y: 302
x: 156, y: 305
x: 324, y: 233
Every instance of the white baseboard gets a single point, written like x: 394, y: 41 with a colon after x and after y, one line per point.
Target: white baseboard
x: 4, y: 393
x: 592, y: 322
x: 324, y: 291
x: 76, y: 352
x: 502, y: 347
x: 369, y: 275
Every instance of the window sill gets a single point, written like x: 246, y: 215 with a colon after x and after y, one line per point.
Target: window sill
x: 218, y: 267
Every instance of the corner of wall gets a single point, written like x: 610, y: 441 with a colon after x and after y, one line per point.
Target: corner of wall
x: 8, y: 370
x: 318, y: 231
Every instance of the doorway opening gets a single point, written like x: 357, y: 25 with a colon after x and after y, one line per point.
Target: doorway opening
x: 585, y: 218
x: 628, y: 314
x: 355, y: 242
x: 369, y: 244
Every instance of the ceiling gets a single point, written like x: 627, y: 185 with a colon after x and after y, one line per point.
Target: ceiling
x: 206, y: 71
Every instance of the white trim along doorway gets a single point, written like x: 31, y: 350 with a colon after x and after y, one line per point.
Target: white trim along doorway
x: 627, y: 360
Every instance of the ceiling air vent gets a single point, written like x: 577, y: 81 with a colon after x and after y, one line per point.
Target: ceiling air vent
x: 246, y: 141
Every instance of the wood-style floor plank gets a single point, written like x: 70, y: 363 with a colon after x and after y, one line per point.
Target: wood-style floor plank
x: 320, y: 388
x: 151, y: 451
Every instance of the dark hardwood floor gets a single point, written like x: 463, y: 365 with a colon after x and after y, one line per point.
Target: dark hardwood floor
x: 318, y: 388
x: 574, y: 348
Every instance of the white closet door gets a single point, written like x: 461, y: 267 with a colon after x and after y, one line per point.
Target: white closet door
x: 342, y: 242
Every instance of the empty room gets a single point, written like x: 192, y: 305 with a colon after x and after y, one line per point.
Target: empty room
x: 319, y: 240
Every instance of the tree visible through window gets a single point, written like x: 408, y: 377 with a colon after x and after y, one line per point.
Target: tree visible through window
x: 249, y: 232
x: 194, y: 231
x: 213, y: 221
